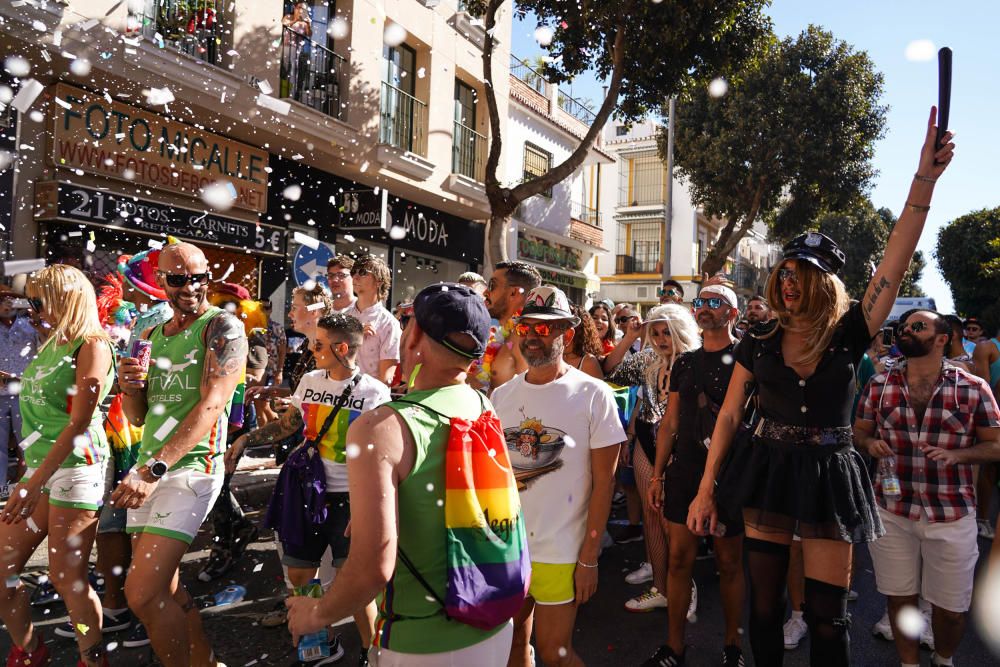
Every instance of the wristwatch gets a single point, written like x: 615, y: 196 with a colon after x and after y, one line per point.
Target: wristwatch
x: 157, y: 468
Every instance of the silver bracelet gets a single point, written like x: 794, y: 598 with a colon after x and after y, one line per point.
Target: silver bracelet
x: 925, y: 179
x: 580, y: 562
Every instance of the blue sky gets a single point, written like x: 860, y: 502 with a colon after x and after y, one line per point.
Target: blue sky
x: 885, y: 29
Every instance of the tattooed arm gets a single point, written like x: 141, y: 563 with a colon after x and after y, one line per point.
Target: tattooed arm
x: 225, y: 358
x: 288, y: 424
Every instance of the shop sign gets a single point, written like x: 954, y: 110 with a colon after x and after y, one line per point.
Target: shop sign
x: 535, y: 249
x: 73, y: 203
x: 96, y: 134
x: 423, y: 229
x: 555, y: 278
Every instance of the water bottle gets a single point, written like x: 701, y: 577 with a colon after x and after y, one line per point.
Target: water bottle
x: 315, y: 645
x: 890, y: 482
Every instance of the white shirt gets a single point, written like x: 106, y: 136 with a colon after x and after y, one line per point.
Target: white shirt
x: 315, y: 396
x: 384, y: 345
x: 346, y: 309
x: 578, y: 412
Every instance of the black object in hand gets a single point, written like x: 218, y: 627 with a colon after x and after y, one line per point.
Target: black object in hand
x: 944, y: 93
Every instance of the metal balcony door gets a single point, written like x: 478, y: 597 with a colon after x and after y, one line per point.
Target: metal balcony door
x: 398, y: 70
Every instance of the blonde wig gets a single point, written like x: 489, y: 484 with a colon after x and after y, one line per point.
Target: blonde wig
x: 69, y: 299
x: 684, y: 335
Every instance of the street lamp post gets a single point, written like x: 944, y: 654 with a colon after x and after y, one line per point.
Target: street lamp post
x: 669, y: 217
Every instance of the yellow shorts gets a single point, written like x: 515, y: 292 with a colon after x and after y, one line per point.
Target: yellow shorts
x: 552, y: 583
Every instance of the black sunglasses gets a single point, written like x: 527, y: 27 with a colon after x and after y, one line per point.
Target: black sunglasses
x: 713, y: 302
x: 623, y: 320
x: 182, y: 279
x: 359, y: 272
x: 35, y: 303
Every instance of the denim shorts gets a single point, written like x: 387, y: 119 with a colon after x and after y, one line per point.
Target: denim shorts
x: 330, y: 534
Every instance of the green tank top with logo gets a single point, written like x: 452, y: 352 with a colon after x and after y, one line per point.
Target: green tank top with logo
x: 46, y: 400
x: 173, y: 389
x: 408, y: 620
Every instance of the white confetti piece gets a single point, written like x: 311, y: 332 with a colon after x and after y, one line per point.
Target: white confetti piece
x: 277, y: 106
x: 39, y: 25
x: 298, y: 156
x: 91, y: 246
x: 920, y: 50
x: 32, y: 526
x: 349, y: 238
x: 292, y: 192
x: 258, y: 567
x: 543, y: 35
x: 63, y: 103
x: 158, y: 96
x: 718, y: 87
x: 364, y: 166
x: 319, y: 305
x: 80, y: 67
x: 306, y: 240
x: 30, y: 90
x: 264, y: 86
x: 88, y: 24
x: 394, y: 34
x: 219, y: 195
x: 17, y: 66
x: 228, y: 271
x: 910, y: 621
x: 338, y: 28
x: 397, y: 233
x: 165, y: 429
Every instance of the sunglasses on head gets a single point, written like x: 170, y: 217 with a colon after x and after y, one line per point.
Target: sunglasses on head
x: 540, y: 328
x: 182, y: 279
x: 788, y: 274
x: 713, y: 302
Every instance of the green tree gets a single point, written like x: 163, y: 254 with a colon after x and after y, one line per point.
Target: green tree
x: 793, y: 136
x: 968, y: 254
x: 644, y: 50
x: 862, y: 231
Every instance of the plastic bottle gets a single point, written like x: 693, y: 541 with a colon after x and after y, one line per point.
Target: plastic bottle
x: 890, y: 482
x: 315, y: 645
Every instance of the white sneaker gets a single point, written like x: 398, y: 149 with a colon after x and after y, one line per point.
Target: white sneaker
x: 883, y: 628
x: 648, y: 601
x: 692, y: 615
x: 795, y: 630
x: 641, y: 575
x: 927, y: 634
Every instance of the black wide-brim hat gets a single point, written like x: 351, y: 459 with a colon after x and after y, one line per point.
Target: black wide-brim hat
x: 818, y: 249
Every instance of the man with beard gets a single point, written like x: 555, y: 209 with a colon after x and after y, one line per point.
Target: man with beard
x: 698, y: 380
x: 183, y: 401
x: 927, y: 422
x: 758, y: 311
x: 504, y: 296
x: 566, y: 427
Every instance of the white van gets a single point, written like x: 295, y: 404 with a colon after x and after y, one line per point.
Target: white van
x: 905, y: 303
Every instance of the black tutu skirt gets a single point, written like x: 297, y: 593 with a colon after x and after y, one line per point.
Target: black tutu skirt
x: 808, y: 481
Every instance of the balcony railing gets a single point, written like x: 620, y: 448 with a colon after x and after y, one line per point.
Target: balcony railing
x: 586, y: 214
x: 624, y: 264
x: 643, y: 182
x: 403, y: 120
x: 468, y: 156
x: 576, y: 109
x: 312, y: 74
x: 521, y: 70
x: 746, y: 275
x: 196, y: 32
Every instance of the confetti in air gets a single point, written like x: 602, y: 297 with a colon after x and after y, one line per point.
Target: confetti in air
x: 394, y: 34
x: 292, y: 192
x: 397, y: 233
x: 718, y: 87
x: 920, y: 50
x: 158, y: 96
x: 338, y: 28
x: 306, y: 240
x: 910, y: 621
x: 26, y: 96
x: 543, y: 35
x: 80, y: 67
x: 17, y: 66
x: 219, y: 195
x: 316, y: 306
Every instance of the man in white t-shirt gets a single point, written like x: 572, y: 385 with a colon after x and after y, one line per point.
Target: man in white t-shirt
x: 338, y: 277
x: 379, y: 353
x: 336, y: 384
x: 564, y: 435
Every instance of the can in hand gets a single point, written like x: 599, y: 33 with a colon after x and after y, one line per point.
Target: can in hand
x: 142, y: 350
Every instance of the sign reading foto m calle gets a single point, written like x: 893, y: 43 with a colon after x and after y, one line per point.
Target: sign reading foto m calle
x: 95, y: 134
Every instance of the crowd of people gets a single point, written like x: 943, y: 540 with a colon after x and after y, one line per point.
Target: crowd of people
x: 454, y: 463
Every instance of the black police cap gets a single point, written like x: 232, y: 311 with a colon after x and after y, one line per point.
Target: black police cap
x: 818, y: 249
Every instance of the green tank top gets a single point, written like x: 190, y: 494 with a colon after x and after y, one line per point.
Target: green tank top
x: 408, y: 621
x: 174, y: 391
x: 46, y: 400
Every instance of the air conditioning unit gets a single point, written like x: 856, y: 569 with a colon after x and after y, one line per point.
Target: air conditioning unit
x: 642, y: 292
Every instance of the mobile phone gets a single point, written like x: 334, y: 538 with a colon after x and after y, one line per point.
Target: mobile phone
x: 944, y: 93
x: 887, y: 335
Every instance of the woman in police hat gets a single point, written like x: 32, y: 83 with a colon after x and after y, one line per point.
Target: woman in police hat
x: 800, y: 473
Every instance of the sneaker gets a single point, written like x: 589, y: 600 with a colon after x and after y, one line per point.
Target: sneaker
x: 985, y: 529
x: 927, y: 634
x: 219, y: 562
x: 795, y: 630
x: 629, y: 533
x: 137, y: 637
x: 40, y: 657
x: 112, y: 623
x: 45, y: 593
x: 692, y: 615
x: 732, y: 656
x: 244, y: 536
x: 336, y: 653
x: 641, y: 575
x: 882, y: 628
x: 664, y: 657
x: 648, y: 601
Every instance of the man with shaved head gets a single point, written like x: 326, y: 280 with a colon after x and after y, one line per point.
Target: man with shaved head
x: 183, y: 402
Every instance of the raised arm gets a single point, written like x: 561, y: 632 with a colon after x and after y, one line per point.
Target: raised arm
x: 884, y: 285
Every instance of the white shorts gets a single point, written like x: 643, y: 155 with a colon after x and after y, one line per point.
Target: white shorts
x: 492, y: 652
x: 935, y: 560
x: 80, y: 488
x: 178, y: 505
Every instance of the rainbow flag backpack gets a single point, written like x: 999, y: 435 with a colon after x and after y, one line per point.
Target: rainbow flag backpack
x: 487, y: 548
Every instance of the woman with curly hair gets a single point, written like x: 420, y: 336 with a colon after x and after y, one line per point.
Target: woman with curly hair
x: 585, y: 350
x: 669, y: 332
x: 605, y: 325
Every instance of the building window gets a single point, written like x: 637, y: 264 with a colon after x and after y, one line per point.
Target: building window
x: 638, y: 248
x: 403, y: 116
x: 537, y: 162
x: 621, y: 131
x: 194, y: 27
x: 643, y: 180
x: 468, y: 146
x: 311, y: 73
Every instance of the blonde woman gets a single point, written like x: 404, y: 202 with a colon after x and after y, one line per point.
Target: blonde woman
x: 801, y: 472
x: 669, y: 331
x: 66, y: 452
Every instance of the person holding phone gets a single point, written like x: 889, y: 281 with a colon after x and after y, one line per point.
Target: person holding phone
x: 800, y: 471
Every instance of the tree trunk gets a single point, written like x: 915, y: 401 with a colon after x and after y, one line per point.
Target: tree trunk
x: 496, y: 246
x: 715, y: 259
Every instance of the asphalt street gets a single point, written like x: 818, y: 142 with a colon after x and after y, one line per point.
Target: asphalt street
x: 606, y: 634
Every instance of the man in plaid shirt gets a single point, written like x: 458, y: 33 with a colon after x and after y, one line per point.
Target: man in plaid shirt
x: 927, y: 422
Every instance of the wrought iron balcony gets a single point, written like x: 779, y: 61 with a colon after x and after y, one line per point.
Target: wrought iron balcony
x: 312, y: 74
x: 177, y: 25
x: 468, y: 153
x: 584, y: 213
x: 403, y: 120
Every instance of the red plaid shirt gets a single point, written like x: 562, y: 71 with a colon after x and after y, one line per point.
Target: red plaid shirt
x: 960, y: 403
